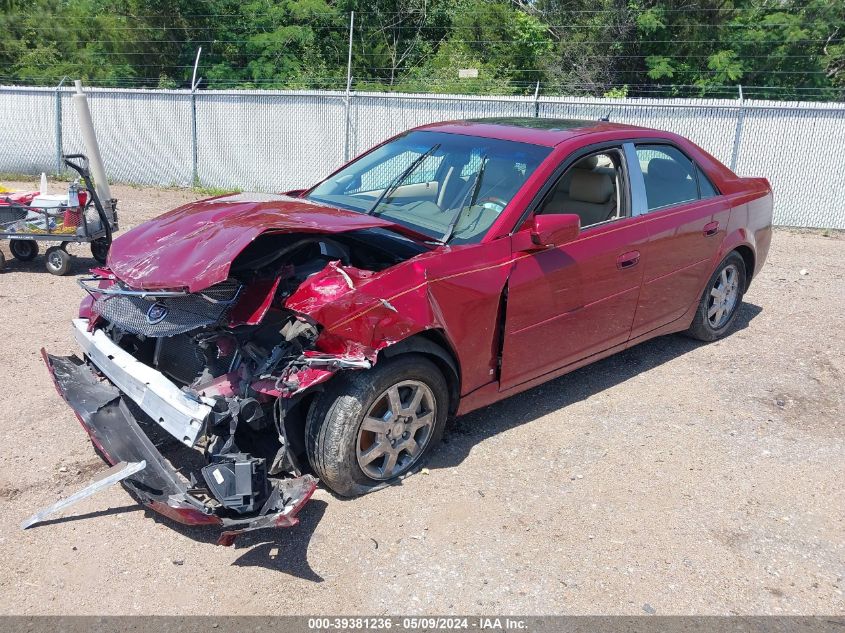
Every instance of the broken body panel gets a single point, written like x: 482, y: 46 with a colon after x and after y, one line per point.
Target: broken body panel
x: 217, y: 320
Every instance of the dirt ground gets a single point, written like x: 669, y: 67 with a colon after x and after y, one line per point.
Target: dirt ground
x: 673, y: 478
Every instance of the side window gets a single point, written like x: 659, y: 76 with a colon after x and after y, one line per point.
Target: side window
x: 592, y: 189
x: 705, y: 187
x: 669, y: 176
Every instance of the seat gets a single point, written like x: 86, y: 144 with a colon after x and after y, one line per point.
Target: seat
x: 591, y: 196
x: 667, y: 182
x: 501, y: 179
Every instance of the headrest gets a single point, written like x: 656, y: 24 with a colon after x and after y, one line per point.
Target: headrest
x: 587, y: 163
x: 588, y: 186
x: 498, y: 169
x: 664, y: 169
x: 603, y: 160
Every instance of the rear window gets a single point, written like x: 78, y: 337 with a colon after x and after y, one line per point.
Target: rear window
x: 670, y: 177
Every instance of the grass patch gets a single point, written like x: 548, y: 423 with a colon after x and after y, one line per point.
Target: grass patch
x: 36, y: 178
x: 215, y: 191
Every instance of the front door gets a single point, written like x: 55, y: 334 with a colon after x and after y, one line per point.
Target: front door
x: 569, y: 302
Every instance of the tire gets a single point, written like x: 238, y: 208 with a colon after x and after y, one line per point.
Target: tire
x: 2, y: 261
x: 337, y: 438
x: 57, y: 260
x: 23, y: 250
x: 715, y: 315
x: 100, y: 250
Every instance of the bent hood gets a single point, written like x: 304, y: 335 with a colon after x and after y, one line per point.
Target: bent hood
x: 193, y: 246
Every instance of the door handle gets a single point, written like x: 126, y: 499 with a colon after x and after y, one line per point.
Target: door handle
x: 628, y: 260
x: 711, y: 229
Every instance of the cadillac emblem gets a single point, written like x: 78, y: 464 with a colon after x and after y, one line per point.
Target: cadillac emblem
x: 156, y: 313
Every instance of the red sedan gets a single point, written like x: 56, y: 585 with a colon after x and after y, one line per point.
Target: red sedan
x: 334, y: 330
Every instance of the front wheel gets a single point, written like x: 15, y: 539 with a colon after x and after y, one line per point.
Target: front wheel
x: 370, y: 427
x: 721, y: 299
x: 57, y: 260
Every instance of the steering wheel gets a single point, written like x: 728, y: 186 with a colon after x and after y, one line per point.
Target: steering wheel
x: 493, y: 203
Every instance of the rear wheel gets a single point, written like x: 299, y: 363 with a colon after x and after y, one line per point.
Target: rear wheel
x: 721, y: 300
x: 23, y: 250
x: 371, y: 427
x: 57, y: 260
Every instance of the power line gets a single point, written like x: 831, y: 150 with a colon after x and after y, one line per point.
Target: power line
x: 479, y: 9
x: 662, y: 88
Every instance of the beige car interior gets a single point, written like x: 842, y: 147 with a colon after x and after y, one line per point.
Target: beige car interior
x: 589, y: 189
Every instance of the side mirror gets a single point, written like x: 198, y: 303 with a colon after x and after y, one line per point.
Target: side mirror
x: 554, y: 229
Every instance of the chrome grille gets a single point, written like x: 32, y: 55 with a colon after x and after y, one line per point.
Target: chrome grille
x: 182, y: 313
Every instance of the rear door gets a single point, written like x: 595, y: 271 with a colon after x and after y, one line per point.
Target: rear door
x: 687, y: 220
x: 569, y: 302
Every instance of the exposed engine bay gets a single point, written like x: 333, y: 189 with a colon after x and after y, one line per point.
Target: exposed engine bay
x: 237, y: 358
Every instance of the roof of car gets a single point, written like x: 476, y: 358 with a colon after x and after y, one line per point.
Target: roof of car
x: 539, y: 131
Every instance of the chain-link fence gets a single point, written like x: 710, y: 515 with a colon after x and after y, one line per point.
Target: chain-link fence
x: 279, y: 140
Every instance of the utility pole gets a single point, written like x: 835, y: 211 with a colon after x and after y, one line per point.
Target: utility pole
x: 195, y: 180
x: 348, y: 97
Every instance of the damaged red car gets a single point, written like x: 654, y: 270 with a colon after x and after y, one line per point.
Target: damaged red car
x: 332, y: 331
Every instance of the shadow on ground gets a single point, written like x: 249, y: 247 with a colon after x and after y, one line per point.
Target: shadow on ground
x: 81, y: 262
x: 278, y: 549
x: 464, y: 432
x: 286, y: 550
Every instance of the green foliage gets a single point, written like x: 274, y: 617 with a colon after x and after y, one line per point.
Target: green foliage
x: 616, y: 93
x: 775, y: 48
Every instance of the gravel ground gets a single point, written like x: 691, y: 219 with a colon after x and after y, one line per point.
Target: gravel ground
x: 673, y: 478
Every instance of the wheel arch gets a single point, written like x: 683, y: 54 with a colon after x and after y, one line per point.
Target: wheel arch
x: 742, y: 242
x: 434, y: 345
x: 748, y: 257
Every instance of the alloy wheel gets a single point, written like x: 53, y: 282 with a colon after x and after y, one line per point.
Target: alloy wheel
x: 724, y: 295
x: 396, y: 430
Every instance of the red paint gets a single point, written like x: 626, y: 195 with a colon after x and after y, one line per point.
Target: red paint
x: 193, y: 246
x: 594, y: 292
x: 254, y: 302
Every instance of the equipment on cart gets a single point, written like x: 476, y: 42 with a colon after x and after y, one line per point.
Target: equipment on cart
x: 86, y: 213
x: 79, y: 215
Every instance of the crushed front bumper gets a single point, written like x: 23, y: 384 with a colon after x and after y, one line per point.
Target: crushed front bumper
x: 107, y: 417
x: 174, y: 410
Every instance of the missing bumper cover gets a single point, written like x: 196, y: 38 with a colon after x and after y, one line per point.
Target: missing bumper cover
x: 114, y: 430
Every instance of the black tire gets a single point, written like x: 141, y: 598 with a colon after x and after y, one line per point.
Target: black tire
x: 332, y: 439
x: 24, y: 250
x: 100, y: 250
x: 57, y: 260
x: 2, y: 261
x: 705, y: 327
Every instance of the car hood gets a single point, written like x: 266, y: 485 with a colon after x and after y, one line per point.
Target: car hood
x: 193, y: 246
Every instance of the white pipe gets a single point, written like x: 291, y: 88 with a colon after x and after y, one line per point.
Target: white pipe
x: 92, y: 149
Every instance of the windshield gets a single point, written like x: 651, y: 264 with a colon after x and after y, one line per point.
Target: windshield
x: 449, y: 187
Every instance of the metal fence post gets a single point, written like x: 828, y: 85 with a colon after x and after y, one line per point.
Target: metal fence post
x: 348, y: 98
x: 740, y: 118
x: 195, y: 178
x: 537, y: 100
x: 59, y: 146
